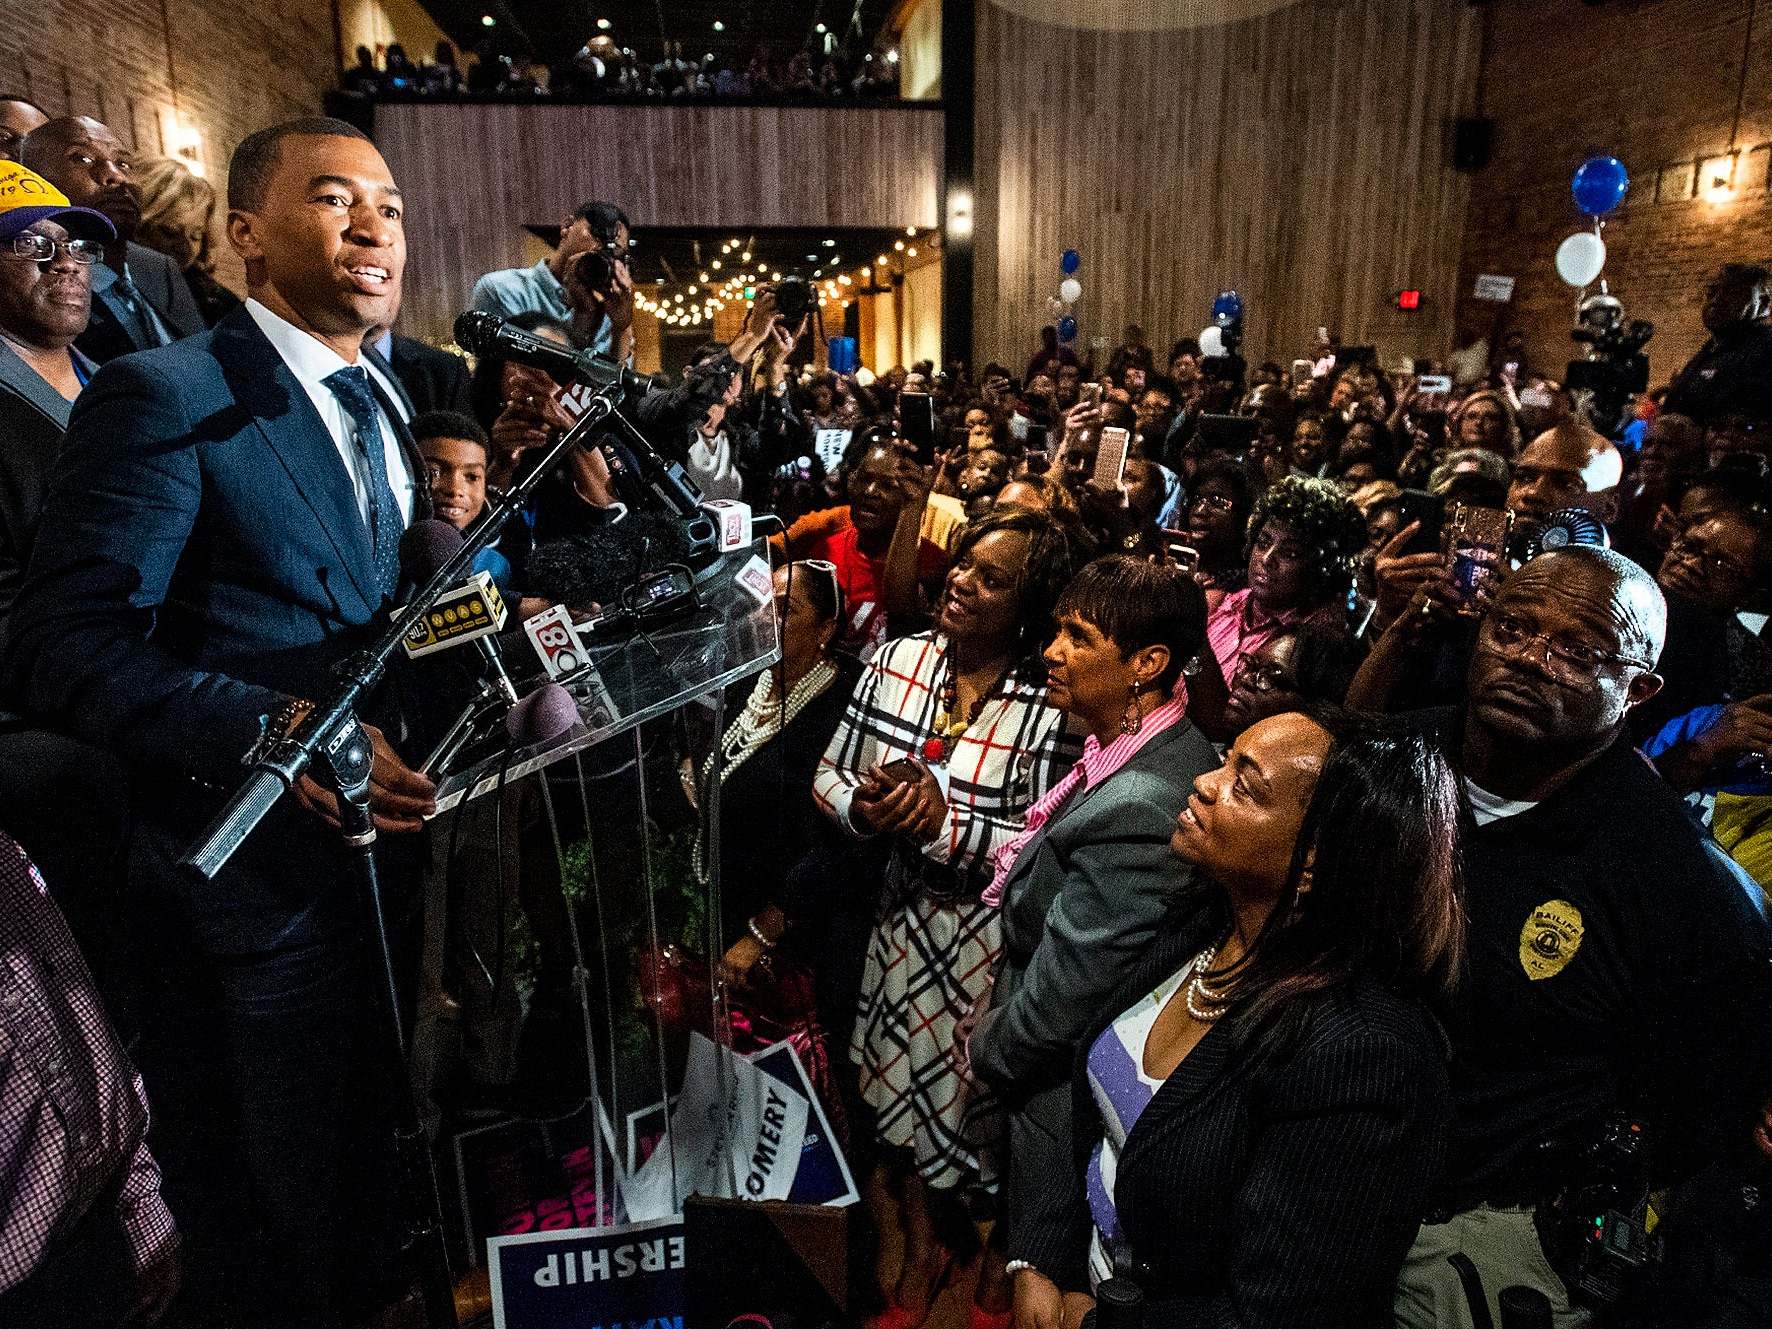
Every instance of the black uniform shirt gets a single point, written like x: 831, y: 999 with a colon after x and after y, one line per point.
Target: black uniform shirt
x: 1612, y: 963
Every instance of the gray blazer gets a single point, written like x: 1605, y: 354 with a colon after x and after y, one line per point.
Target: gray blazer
x: 1084, y: 901
x: 162, y: 285
x: 33, y: 418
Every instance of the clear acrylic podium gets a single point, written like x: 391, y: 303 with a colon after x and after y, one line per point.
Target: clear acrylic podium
x: 645, y: 698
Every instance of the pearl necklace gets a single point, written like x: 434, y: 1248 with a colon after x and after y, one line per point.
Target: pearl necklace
x: 761, y: 720
x: 1203, y: 1003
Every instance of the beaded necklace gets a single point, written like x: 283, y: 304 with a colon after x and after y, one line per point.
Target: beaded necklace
x: 949, y: 726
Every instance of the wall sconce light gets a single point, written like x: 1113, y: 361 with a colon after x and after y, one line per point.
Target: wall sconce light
x: 960, y: 214
x: 1717, y: 178
x: 183, y: 140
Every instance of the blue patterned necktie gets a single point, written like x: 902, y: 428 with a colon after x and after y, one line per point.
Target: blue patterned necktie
x: 351, y: 386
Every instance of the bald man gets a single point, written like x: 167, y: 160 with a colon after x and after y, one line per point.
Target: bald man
x: 140, y: 299
x: 1570, y: 466
x: 1614, y: 965
x: 18, y: 117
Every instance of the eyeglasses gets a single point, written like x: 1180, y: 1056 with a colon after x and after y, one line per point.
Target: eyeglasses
x: 40, y: 248
x: 1570, y: 660
x: 1268, y: 676
x: 1213, y: 502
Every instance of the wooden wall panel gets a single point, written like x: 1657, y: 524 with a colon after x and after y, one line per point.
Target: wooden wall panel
x: 475, y: 175
x: 1303, y: 157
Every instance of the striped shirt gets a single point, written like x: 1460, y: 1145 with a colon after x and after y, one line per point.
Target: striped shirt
x: 1235, y: 630
x: 1097, y: 764
x: 1011, y: 754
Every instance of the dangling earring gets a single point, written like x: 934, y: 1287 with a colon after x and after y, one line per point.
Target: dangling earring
x: 1132, y: 720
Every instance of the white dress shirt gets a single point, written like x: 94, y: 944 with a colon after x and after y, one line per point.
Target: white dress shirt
x: 312, y: 361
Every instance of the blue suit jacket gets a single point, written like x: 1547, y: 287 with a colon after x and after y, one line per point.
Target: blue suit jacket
x: 201, y: 554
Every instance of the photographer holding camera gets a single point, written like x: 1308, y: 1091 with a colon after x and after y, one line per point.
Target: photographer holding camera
x: 601, y: 313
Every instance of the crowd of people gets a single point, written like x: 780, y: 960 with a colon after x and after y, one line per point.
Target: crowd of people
x: 821, y: 70
x: 1304, y: 854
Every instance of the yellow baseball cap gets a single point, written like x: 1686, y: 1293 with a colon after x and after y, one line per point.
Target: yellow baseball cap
x: 26, y: 198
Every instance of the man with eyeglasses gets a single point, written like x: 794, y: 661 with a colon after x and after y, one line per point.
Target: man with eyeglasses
x: 1614, y: 964
x: 140, y: 299
x: 47, y: 251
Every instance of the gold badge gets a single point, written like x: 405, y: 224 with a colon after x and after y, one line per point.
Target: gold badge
x: 1550, y: 939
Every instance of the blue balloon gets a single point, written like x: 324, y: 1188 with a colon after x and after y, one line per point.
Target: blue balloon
x: 1227, y: 307
x: 1067, y: 329
x: 1599, y: 185
x: 1071, y: 261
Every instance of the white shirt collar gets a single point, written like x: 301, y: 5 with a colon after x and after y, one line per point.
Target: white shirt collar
x: 308, y: 358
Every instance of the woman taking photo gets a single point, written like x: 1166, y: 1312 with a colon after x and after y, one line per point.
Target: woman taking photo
x: 1258, y: 1127
x: 1089, y: 883
x: 1304, y: 540
x: 947, y: 742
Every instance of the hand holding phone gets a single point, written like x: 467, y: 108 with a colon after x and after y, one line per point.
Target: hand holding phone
x: 1181, y: 553
x: 1110, y: 457
x: 916, y: 424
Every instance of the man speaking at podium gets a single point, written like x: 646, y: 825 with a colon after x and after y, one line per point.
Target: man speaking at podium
x: 221, y: 527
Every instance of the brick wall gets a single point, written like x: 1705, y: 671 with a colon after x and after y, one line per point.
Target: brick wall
x: 230, y: 68
x: 1654, y: 82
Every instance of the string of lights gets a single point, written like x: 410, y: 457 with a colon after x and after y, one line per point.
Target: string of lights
x: 735, y: 275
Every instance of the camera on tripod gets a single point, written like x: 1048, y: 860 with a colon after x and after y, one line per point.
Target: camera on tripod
x: 1615, y: 368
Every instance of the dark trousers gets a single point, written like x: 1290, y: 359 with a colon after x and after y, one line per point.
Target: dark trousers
x: 273, y: 1128
x: 86, y: 1282
x: 67, y: 804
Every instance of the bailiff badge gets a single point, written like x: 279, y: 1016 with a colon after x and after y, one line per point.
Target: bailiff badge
x: 1550, y: 939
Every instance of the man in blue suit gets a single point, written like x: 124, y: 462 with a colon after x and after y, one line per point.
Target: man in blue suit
x: 221, y: 527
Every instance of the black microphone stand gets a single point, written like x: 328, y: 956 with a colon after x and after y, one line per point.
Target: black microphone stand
x: 330, y: 741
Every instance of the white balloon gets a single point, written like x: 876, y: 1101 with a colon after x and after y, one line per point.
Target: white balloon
x: 1070, y: 290
x: 1212, y: 340
x: 1580, y: 258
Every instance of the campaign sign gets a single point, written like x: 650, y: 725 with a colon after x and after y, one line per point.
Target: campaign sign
x: 627, y: 1277
x: 527, y: 1175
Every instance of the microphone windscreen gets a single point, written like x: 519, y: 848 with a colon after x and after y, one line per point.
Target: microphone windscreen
x: 542, y: 716
x: 596, y: 567
x: 474, y: 329
x: 425, y: 547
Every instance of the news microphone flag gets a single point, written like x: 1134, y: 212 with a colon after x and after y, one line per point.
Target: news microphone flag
x: 472, y: 610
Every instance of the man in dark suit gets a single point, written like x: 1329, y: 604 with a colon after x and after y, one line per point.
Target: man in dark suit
x: 220, y: 528
x: 434, y: 379
x: 139, y: 297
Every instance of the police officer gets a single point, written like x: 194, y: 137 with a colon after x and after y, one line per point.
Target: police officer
x: 1614, y: 966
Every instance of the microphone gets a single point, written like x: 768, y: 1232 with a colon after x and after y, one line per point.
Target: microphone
x: 473, y: 611
x: 597, y: 567
x: 541, y: 717
x: 488, y: 334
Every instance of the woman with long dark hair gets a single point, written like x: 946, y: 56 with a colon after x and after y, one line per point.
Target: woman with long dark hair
x: 1258, y: 1127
